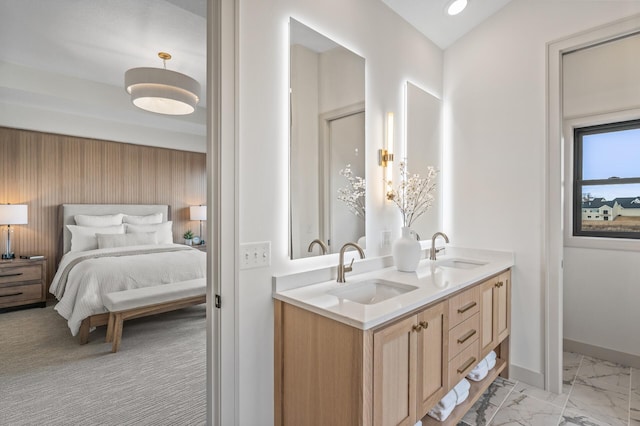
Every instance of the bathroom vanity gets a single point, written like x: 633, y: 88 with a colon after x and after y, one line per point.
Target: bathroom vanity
x: 386, y: 346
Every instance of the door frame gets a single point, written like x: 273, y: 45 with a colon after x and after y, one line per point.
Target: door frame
x: 554, y: 209
x: 324, y: 156
x: 222, y: 197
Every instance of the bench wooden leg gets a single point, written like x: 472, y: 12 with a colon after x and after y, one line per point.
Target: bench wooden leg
x: 117, y: 331
x: 83, y: 334
x: 110, y: 325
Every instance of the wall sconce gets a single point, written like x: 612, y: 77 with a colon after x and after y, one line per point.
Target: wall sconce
x: 385, y: 156
x: 198, y: 213
x: 12, y: 214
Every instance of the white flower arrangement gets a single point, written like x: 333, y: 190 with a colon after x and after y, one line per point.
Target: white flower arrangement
x: 353, y: 194
x: 414, y: 195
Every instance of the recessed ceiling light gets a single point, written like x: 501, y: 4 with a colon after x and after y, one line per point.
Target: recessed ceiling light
x: 456, y: 6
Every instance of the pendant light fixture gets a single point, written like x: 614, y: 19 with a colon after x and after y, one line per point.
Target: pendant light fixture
x: 162, y: 91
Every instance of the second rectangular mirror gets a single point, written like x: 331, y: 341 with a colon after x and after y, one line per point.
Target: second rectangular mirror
x: 423, y: 150
x: 327, y: 138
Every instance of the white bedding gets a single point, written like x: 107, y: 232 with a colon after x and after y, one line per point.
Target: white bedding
x: 122, y: 268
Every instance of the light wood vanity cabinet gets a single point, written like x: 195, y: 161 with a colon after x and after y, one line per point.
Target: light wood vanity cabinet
x: 410, y: 367
x: 327, y: 372
x: 495, y: 297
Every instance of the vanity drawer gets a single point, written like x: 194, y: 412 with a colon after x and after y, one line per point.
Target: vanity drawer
x: 20, y: 294
x: 463, y: 306
x: 463, y: 363
x: 22, y: 273
x: 463, y: 335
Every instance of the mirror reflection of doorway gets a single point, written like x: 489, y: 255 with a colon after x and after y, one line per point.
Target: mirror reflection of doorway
x: 344, y: 146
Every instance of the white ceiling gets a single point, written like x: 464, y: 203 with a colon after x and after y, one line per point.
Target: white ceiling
x: 59, y: 54
x: 431, y: 19
x: 99, y: 40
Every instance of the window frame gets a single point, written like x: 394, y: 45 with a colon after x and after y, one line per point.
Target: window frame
x: 578, y: 183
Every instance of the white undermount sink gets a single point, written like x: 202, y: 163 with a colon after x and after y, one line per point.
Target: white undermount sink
x: 460, y: 263
x: 372, y: 291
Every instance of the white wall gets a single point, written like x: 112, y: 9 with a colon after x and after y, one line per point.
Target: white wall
x: 494, y: 153
x: 601, y: 288
x: 394, y: 52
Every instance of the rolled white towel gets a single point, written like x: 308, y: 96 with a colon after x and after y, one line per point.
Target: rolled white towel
x: 461, y: 388
x: 492, y: 355
x: 447, y: 401
x: 490, y: 363
x: 441, y: 414
x: 419, y: 423
x: 478, y: 373
x: 463, y: 398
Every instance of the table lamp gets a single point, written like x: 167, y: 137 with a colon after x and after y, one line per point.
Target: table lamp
x: 198, y: 213
x: 12, y: 214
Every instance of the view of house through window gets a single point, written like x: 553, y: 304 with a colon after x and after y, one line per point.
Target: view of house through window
x: 607, y: 180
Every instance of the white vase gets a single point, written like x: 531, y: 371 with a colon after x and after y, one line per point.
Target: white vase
x: 407, y: 251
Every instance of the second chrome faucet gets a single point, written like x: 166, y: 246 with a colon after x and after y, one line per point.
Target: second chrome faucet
x: 434, y: 251
x: 342, y: 268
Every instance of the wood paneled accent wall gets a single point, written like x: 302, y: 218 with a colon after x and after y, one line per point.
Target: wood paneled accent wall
x: 45, y: 170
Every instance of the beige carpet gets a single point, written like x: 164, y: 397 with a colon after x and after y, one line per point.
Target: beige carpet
x: 156, y: 378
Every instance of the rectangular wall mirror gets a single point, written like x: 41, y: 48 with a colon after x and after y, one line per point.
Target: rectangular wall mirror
x: 327, y: 136
x: 424, y: 122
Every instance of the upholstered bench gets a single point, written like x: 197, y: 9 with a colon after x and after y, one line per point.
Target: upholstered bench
x: 141, y: 302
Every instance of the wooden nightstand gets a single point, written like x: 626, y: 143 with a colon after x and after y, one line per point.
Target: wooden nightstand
x: 201, y: 247
x: 22, y: 283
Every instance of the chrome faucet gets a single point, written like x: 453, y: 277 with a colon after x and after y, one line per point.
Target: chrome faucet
x: 323, y: 246
x: 342, y: 268
x: 433, y: 251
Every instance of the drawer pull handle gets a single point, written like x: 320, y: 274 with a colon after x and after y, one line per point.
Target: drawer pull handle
x: 424, y: 325
x: 10, y: 294
x: 499, y: 284
x: 14, y: 274
x: 466, y: 307
x: 467, y: 365
x: 467, y: 336
x: 416, y: 328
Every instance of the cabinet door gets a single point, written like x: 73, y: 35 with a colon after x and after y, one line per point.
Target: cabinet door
x: 394, y: 373
x: 432, y: 367
x: 503, y: 306
x: 488, y: 326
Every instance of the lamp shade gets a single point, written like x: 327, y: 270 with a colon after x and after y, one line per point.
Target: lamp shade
x: 198, y: 212
x: 162, y: 91
x: 13, y: 214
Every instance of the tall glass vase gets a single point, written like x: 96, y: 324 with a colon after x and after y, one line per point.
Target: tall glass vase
x: 407, y: 251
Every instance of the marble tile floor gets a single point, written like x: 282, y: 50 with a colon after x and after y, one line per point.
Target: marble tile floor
x: 596, y: 393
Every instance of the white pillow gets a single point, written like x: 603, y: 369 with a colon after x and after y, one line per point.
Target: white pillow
x: 143, y: 220
x: 98, y: 221
x: 165, y: 234
x: 126, y: 240
x: 84, y: 237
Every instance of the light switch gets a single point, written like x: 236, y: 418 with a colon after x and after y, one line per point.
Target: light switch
x: 255, y: 255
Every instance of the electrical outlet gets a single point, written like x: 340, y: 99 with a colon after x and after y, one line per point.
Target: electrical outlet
x: 385, y: 242
x: 255, y: 255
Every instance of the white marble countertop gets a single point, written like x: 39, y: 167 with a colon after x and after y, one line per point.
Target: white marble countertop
x: 432, y: 280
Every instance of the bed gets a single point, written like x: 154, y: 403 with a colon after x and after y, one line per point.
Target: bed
x: 100, y: 257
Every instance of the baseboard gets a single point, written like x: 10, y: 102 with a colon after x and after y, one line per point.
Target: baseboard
x: 530, y: 377
x: 606, y: 354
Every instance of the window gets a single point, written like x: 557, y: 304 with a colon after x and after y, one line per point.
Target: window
x: 607, y: 179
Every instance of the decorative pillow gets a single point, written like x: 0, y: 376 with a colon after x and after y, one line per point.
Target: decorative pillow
x: 126, y: 240
x: 143, y: 220
x: 98, y: 221
x: 165, y: 234
x: 84, y: 237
